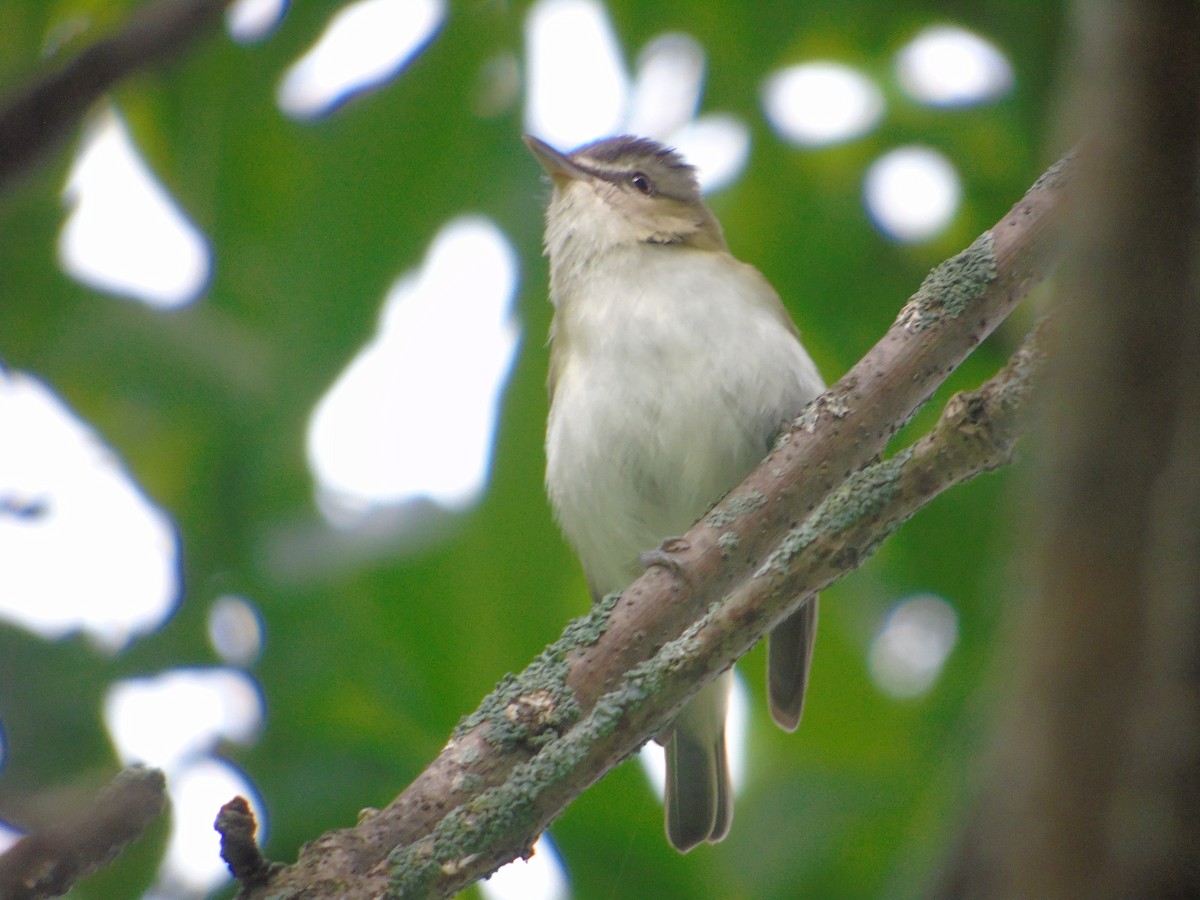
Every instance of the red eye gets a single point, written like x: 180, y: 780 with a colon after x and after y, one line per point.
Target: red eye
x: 641, y: 182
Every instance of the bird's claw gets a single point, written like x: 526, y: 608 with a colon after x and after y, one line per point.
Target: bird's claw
x: 663, y: 555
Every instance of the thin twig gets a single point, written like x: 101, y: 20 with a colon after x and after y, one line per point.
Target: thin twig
x: 40, y: 116
x: 237, y: 827
x: 47, y: 863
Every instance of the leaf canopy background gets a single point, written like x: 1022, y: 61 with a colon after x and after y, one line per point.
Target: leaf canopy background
x: 371, y: 656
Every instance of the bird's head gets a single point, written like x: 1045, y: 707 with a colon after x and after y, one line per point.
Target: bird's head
x: 623, y: 190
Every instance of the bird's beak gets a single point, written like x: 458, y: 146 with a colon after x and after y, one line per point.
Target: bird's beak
x: 557, y: 166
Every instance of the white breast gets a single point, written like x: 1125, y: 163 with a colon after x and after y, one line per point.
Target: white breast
x: 679, y: 376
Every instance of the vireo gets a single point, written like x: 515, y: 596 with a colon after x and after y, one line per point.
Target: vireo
x: 673, y: 367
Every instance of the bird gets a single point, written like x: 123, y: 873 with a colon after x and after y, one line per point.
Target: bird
x: 673, y: 368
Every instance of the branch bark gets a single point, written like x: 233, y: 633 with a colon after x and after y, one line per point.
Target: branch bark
x: 617, y: 676
x: 47, y: 863
x: 38, y: 118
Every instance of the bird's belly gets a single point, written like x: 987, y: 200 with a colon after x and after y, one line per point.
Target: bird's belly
x: 628, y: 467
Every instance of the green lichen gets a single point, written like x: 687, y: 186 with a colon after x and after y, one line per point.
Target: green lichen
x: 511, y: 809
x: 728, y: 542
x: 824, y: 406
x: 719, y: 517
x: 470, y: 784
x: 860, y: 498
x: 413, y: 872
x: 950, y: 288
x: 546, y: 676
x: 734, y: 506
x: 806, y: 421
x: 748, y: 502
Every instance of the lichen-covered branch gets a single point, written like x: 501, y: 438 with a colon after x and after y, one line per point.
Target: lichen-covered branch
x: 619, y: 675
x: 47, y: 863
x: 976, y: 433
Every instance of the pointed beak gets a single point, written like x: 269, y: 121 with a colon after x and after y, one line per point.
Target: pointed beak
x: 558, y: 166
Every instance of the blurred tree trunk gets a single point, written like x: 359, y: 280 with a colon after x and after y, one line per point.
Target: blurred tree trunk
x: 1093, y: 786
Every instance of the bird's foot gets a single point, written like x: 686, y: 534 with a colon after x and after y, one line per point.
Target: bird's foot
x: 664, y: 555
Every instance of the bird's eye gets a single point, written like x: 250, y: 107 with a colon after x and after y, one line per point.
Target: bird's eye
x: 640, y: 181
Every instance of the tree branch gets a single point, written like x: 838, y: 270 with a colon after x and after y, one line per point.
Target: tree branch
x: 976, y: 433
x: 47, y: 863
x: 36, y: 120
x: 237, y: 827
x: 618, y: 675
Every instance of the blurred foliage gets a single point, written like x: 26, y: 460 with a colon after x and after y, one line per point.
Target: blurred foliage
x: 371, y: 658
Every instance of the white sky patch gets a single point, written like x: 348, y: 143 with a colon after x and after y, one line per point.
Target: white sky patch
x: 912, y: 193
x: 541, y: 877
x: 365, y: 44
x: 163, y: 720
x: 83, y: 548
x: 717, y: 145
x: 666, y: 92
x: 949, y: 66
x: 252, y: 20
x: 174, y: 721
x: 817, y: 103
x: 577, y: 89
x: 235, y: 630
x: 910, y: 649
x: 124, y: 233
x: 737, y: 728
x: 8, y: 837
x: 414, y: 413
